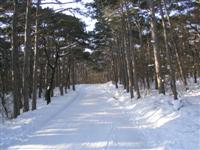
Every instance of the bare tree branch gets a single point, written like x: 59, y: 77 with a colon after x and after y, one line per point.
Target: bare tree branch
x: 69, y: 46
x: 56, y: 3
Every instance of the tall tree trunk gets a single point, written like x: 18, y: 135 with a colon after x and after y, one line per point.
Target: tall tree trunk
x: 123, y: 62
x: 40, y: 85
x: 129, y: 66
x: 15, y: 62
x: 114, y: 67
x: 133, y: 54
x: 41, y: 79
x: 195, y: 64
x: 67, y: 77
x: 30, y: 90
x: 128, y: 55
x: 50, y: 87
x: 178, y: 57
x: 69, y: 73
x: 3, y: 91
x: 169, y: 56
x: 61, y: 77
x: 35, y: 66
x: 27, y: 50
x: 156, y: 50
x: 51, y: 81
x: 73, y: 74
x: 148, y: 56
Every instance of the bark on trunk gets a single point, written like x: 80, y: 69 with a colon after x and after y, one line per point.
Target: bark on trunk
x: 178, y: 57
x: 133, y: 54
x: 27, y: 50
x: 169, y: 57
x: 50, y: 84
x: 156, y: 50
x: 15, y: 62
x: 73, y: 74
x: 35, y: 66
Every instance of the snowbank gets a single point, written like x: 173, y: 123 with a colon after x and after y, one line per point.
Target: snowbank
x: 163, y: 123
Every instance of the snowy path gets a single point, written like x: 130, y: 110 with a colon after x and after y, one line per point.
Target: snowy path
x: 89, y: 122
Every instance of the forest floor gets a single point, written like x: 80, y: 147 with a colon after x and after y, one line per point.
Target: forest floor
x: 101, y: 117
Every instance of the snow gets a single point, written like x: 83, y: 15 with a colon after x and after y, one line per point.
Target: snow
x: 100, y: 117
x: 177, y: 104
x: 164, y: 122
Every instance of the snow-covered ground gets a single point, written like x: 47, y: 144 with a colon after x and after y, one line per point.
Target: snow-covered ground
x: 101, y: 117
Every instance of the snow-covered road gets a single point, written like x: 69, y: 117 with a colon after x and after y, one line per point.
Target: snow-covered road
x: 99, y: 117
x: 88, y: 122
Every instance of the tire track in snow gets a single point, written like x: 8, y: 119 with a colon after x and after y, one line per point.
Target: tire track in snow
x: 32, y: 128
x: 105, y: 128
x: 126, y: 119
x: 59, y: 111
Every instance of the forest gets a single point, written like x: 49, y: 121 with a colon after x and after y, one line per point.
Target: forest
x: 139, y: 45
x: 135, y: 43
x: 40, y: 49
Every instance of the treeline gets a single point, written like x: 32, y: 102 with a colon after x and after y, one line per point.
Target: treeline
x: 149, y: 42
x: 40, y: 49
x: 136, y: 43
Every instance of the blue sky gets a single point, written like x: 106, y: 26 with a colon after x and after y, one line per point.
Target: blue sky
x: 89, y: 22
